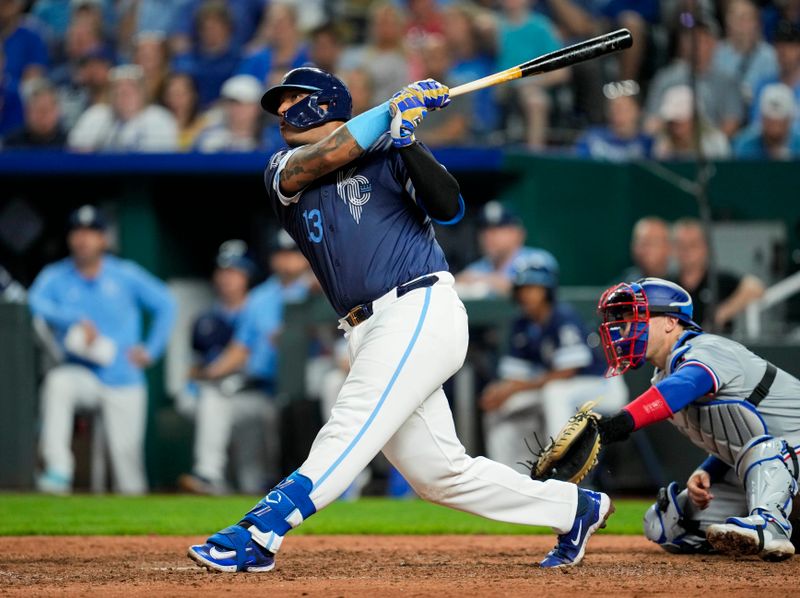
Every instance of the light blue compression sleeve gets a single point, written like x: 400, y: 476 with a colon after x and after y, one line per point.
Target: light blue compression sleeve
x: 368, y: 126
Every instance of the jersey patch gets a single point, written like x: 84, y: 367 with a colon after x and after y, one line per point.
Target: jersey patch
x: 354, y: 189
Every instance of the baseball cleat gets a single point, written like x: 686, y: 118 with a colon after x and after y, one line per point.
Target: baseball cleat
x: 571, y: 546
x: 742, y: 536
x: 232, y: 550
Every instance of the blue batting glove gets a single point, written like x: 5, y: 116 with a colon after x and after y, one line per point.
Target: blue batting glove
x: 434, y: 94
x: 407, y: 109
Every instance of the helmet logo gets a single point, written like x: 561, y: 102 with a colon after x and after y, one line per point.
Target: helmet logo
x: 355, y: 190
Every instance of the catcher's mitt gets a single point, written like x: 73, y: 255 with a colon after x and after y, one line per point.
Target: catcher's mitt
x: 572, y: 454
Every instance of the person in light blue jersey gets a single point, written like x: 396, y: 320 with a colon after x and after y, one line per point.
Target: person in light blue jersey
x: 94, y: 303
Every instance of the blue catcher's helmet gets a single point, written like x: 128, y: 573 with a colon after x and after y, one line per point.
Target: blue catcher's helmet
x: 626, y: 309
x: 323, y: 88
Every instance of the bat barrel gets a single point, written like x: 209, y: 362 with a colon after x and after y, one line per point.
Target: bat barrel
x: 580, y: 52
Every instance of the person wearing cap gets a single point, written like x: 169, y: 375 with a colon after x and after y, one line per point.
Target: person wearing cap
x: 24, y: 48
x: 42, y: 129
x: 235, y: 408
x: 128, y: 123
x: 676, y: 139
x: 775, y: 137
x: 240, y: 129
x: 502, y: 241
x: 548, y: 371
x: 252, y: 353
x: 622, y: 139
x: 787, y: 48
x: 720, y: 94
x: 94, y: 303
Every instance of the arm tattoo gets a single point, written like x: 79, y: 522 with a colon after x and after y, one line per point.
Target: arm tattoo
x: 318, y: 159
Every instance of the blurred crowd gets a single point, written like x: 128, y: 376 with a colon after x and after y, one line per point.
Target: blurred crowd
x: 187, y: 75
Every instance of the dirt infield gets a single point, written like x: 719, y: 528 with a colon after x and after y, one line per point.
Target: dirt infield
x: 380, y: 566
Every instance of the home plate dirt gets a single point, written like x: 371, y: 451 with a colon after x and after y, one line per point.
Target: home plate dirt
x: 382, y: 566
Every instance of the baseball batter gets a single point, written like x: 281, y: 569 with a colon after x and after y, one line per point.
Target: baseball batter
x: 360, y: 203
x: 740, y: 408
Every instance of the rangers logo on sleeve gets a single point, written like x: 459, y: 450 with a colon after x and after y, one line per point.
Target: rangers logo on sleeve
x: 354, y: 189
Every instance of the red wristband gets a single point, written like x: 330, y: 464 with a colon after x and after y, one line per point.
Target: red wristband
x: 648, y: 408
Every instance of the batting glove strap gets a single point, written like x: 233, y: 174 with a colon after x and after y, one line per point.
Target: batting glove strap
x: 434, y: 94
x: 407, y: 109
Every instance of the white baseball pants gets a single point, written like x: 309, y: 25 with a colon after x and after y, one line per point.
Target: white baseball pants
x: 249, y: 419
x: 392, y: 400
x: 67, y: 388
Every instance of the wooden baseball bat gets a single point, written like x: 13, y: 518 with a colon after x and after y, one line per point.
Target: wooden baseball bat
x: 580, y: 52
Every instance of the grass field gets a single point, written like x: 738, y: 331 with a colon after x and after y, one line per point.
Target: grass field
x: 168, y: 515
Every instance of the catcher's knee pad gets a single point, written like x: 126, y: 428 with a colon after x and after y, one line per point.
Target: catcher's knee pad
x: 285, y: 507
x: 768, y: 483
x: 665, y: 525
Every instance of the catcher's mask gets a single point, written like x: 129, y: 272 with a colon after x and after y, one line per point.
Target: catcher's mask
x: 626, y: 309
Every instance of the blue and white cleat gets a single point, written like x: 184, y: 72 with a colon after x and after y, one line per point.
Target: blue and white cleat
x: 232, y: 550
x: 571, y: 546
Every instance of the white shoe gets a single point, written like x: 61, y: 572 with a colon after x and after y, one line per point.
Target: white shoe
x: 758, y: 534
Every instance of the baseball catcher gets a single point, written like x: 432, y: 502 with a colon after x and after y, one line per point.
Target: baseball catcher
x: 729, y: 401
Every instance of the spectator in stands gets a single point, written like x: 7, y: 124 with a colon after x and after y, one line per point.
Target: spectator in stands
x: 180, y: 98
x: 721, y: 98
x: 12, y: 114
x: 241, y: 125
x: 651, y: 249
x: 472, y: 52
x: 522, y: 34
x: 24, y: 48
x: 236, y: 409
x: 743, y: 55
x: 677, y: 139
x: 94, y: 303
x: 502, y: 241
x: 774, y: 13
x: 443, y: 127
x: 735, y: 292
x: 548, y: 371
x: 128, y: 123
x: 326, y: 47
x: 424, y: 19
x: 56, y: 15
x: 213, y: 59
x: 83, y: 37
x: 150, y: 53
x: 283, y: 47
x: 253, y: 350
x: 87, y: 86
x: 361, y: 88
x: 243, y: 15
x: 787, y: 48
x: 775, y: 138
x: 383, y: 57
x: 622, y: 139
x: 42, y: 128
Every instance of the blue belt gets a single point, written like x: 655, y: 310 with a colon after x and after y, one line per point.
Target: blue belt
x: 363, y: 312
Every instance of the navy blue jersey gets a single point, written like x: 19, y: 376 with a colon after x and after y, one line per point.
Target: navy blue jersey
x: 360, y: 226
x: 560, y: 344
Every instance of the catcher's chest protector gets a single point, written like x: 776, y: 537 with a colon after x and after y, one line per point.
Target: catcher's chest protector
x: 720, y: 427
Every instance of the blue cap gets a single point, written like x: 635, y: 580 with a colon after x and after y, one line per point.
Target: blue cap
x: 87, y: 217
x: 536, y: 268
x: 234, y: 254
x: 496, y: 214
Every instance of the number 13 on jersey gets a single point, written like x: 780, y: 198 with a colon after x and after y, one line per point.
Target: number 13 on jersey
x: 313, y: 220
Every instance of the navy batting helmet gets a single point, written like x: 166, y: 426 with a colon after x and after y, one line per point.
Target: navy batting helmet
x: 324, y: 89
x: 538, y: 268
